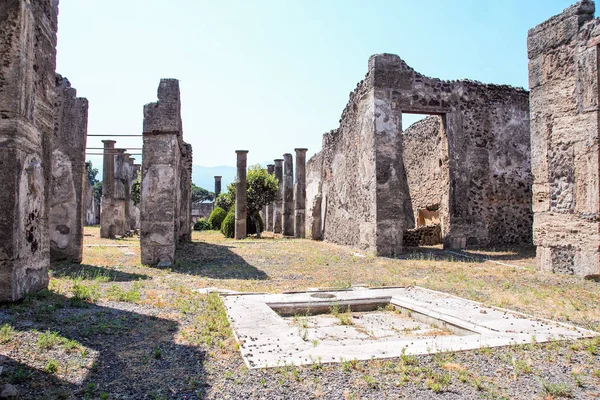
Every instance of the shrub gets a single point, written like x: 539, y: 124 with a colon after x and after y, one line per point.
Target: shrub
x: 251, y: 228
x: 202, y: 225
x: 226, y: 200
x: 228, y: 225
x: 216, y: 217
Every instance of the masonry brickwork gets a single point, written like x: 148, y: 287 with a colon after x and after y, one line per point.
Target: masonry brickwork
x: 69, y: 174
x: 563, y: 79
x: 485, y: 148
x: 27, y: 93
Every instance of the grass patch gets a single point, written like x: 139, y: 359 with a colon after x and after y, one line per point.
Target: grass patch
x: 6, y: 333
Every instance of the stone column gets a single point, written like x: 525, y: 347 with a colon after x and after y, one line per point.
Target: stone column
x: 161, y: 194
x: 217, y: 186
x: 300, y: 193
x: 288, y: 195
x: 241, y: 195
x: 28, y: 48
x: 269, y: 208
x: 278, y: 204
x: 69, y: 176
x: 107, y: 228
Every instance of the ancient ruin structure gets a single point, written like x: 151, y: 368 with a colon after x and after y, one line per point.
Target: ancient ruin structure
x: 270, y: 207
x: 27, y: 92
x: 91, y: 206
x: 278, y: 204
x: 66, y: 212
x: 563, y: 79
x: 288, y: 196
x: 112, y: 209
x: 358, y: 193
x: 217, y: 186
x: 300, y: 194
x: 166, y: 171
x: 241, y: 195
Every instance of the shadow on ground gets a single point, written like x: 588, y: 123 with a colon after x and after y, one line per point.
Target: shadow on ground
x: 478, y: 255
x: 85, y: 271
x: 123, y: 353
x: 214, y: 261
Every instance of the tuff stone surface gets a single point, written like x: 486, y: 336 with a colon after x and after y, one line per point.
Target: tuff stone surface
x: 241, y: 195
x: 563, y: 78
x: 166, y: 170
x: 66, y: 212
x: 27, y: 92
x: 300, y: 194
x: 362, y: 181
x: 288, y: 196
x: 278, y: 204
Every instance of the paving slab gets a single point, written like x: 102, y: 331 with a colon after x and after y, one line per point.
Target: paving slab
x: 310, y: 327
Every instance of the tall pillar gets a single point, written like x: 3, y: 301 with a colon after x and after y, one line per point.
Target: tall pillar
x: 278, y: 204
x: 69, y: 176
x: 300, y: 194
x: 288, y: 195
x: 217, y: 186
x: 28, y: 48
x: 269, y: 207
x: 107, y: 228
x: 241, y: 195
x: 161, y: 180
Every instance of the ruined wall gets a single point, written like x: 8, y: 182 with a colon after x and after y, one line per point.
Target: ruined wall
x: 484, y: 148
x: 314, y: 215
x: 27, y: 90
x: 425, y: 173
x: 66, y: 213
x: 563, y: 79
x: 91, y: 206
x: 165, y: 158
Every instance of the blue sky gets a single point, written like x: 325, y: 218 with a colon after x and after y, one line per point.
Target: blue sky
x: 271, y: 75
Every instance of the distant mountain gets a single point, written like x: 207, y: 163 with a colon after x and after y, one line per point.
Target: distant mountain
x: 205, y: 176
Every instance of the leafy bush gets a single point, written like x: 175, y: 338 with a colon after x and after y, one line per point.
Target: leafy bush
x: 226, y: 200
x: 251, y: 227
x: 228, y: 225
x: 202, y: 225
x: 216, y: 217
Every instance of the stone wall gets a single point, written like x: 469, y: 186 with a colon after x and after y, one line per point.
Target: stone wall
x: 27, y: 92
x: 426, y: 173
x: 484, y: 147
x: 563, y: 78
x: 91, y: 206
x: 201, y: 210
x: 66, y: 213
x: 166, y: 173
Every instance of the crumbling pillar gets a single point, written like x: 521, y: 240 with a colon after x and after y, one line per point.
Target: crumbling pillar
x: 185, y: 211
x: 66, y: 215
x: 278, y: 204
x: 270, y: 206
x: 300, y: 194
x: 27, y: 93
x: 288, y: 195
x: 241, y: 195
x: 564, y: 120
x: 107, y: 229
x: 217, y: 186
x: 160, y: 195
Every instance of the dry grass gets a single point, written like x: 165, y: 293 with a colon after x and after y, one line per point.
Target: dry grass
x: 116, y: 316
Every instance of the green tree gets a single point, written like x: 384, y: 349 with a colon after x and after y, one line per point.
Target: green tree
x: 136, y: 189
x: 201, y: 195
x: 261, y: 188
x: 96, y: 184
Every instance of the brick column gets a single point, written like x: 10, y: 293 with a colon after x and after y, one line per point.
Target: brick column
x: 241, y: 195
x: 278, y: 204
x: 288, y: 195
x: 300, y: 194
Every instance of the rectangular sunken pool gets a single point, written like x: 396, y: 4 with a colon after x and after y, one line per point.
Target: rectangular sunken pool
x: 303, y: 328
